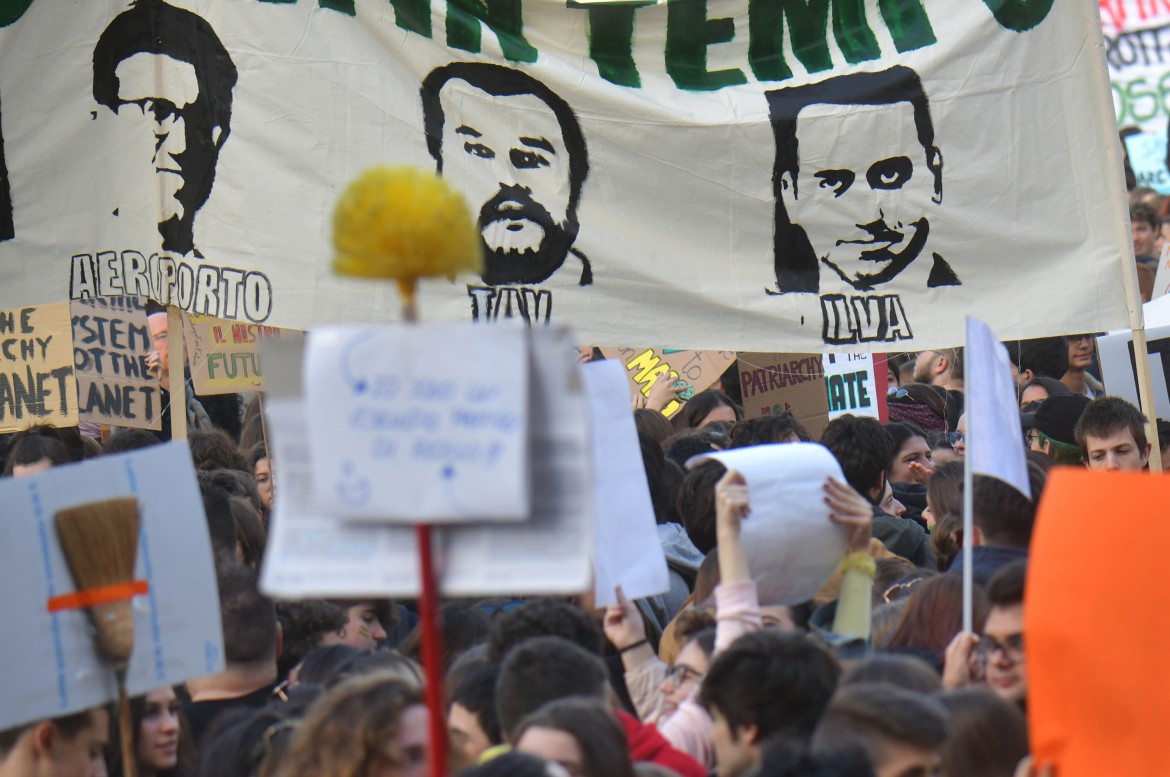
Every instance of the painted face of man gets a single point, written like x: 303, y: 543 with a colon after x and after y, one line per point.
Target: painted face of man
x: 863, y: 205
x: 508, y: 156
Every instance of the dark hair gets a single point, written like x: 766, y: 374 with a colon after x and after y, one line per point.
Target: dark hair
x: 696, y: 503
x: 30, y: 445
x: 703, y: 638
x: 700, y: 406
x: 214, y: 449
x: 681, y: 447
x: 221, y: 523
x: 875, y: 714
x: 862, y: 447
x: 186, y: 748
x: 1046, y: 357
x: 1052, y: 385
x: 1006, y: 587
x: 783, y: 759
x: 462, y: 625
x: 597, y: 732
x: 947, y: 540
x: 477, y: 694
x: 779, y: 682
x: 250, y: 532
x: 944, y: 490
x: 900, y: 432
x: 1107, y: 416
x: 325, y: 662
x: 249, y: 618
x: 501, y: 81
x: 658, y: 481
x: 240, y: 741
x: 1003, y: 514
x: 797, y: 269
x: 543, y: 618
x: 653, y: 424
x: 904, y: 671
x: 511, y: 764
x: 129, y: 440
x: 256, y: 454
x: 1141, y: 211
x: 544, y: 669
x: 767, y: 429
x: 302, y: 625
x: 989, y: 735
x: 934, y: 615
x: 69, y: 727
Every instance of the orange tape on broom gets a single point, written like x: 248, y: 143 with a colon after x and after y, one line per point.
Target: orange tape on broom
x: 95, y: 596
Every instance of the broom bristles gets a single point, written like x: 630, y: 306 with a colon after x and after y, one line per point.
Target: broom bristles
x: 100, y: 543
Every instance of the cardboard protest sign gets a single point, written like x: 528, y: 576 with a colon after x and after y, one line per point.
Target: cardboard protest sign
x: 111, y: 340
x: 36, y: 368
x: 420, y: 424
x: 312, y: 552
x: 851, y: 386
x: 1092, y: 710
x: 53, y: 668
x: 224, y: 356
x: 1146, y: 152
x: 698, y: 369
x: 771, y: 382
x: 822, y: 180
x: 1119, y: 372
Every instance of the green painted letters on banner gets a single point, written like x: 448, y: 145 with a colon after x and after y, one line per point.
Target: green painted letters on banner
x: 853, y: 33
x: 611, y: 40
x: 688, y: 34
x: 413, y: 16
x: 1019, y: 15
x: 506, y: 19
x: 808, y: 23
x: 908, y: 24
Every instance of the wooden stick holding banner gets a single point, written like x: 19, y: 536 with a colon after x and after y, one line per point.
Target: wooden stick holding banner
x: 176, y: 371
x: 373, y: 240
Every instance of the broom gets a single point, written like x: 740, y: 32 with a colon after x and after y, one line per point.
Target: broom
x: 100, y: 543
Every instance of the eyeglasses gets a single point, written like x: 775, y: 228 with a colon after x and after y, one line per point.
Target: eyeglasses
x: 954, y: 438
x: 680, y: 673
x: 1012, y: 647
x: 1029, y: 437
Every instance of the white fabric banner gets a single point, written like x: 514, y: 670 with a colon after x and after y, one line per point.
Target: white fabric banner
x: 754, y: 175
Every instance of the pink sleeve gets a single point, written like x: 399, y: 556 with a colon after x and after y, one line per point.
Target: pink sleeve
x: 689, y: 729
x: 737, y: 611
x: 644, y: 682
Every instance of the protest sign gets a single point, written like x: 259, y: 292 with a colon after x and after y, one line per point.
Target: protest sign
x: 1119, y: 370
x: 224, y: 356
x: 795, y: 382
x: 792, y: 546
x: 628, y: 552
x: 851, y: 385
x: 1093, y: 711
x: 111, y: 340
x: 53, y: 667
x: 1135, y: 34
x: 673, y: 197
x: 419, y: 424
x: 36, y: 368
x: 1146, y: 152
x: 312, y: 552
x: 697, y: 369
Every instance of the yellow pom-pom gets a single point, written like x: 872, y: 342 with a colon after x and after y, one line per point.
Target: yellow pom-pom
x: 402, y: 223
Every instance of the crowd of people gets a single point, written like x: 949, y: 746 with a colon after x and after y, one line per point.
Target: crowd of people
x: 872, y: 676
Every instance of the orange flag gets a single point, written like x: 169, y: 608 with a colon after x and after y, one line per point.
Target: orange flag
x: 1097, y: 629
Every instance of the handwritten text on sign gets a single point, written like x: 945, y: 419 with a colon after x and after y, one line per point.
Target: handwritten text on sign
x: 111, y: 340
x: 36, y: 368
x: 398, y: 435
x: 225, y: 355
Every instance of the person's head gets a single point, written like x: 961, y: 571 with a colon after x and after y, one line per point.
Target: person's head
x: 781, y: 426
x: 934, y: 615
x: 1001, y: 646
x: 944, y: 492
x: 1042, y: 357
x: 249, y: 618
x: 685, y: 675
x: 1040, y: 389
x: 863, y: 448
x: 932, y: 408
x: 303, y: 625
x: 160, y: 342
x: 705, y: 408
x: 513, y: 764
x: 684, y: 446
x: 653, y: 424
x: 363, y: 627
x: 214, y: 449
x: 946, y: 538
x: 471, y: 715
x: 543, y: 618
x: 129, y: 440
x: 659, y: 480
x: 696, y: 503
x: 871, y: 202
x: 157, y: 722
x: 767, y: 684
x: 1144, y: 223
x: 1054, y: 427
x: 903, y: 671
x: 165, y: 69
x: 35, y: 450
x: 544, y: 669
x: 910, y: 447
x: 69, y: 746
x: 373, y: 726
x: 1002, y: 515
x: 462, y: 625
x: 262, y: 474
x: 1080, y: 351
x: 1112, y: 436
x: 903, y: 731
x: 939, y: 367
x: 516, y: 151
x: 581, y: 735
x: 989, y: 736
x: 221, y: 522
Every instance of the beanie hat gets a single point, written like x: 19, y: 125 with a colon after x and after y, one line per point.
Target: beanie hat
x: 1057, y: 416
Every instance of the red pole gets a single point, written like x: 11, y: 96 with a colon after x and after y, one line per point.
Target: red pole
x: 432, y: 653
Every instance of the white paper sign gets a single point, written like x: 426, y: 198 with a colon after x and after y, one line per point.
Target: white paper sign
x: 1118, y: 372
x: 996, y: 444
x: 628, y: 551
x: 850, y: 385
x: 419, y: 423
x: 312, y: 552
x: 48, y: 660
x: 792, y: 546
